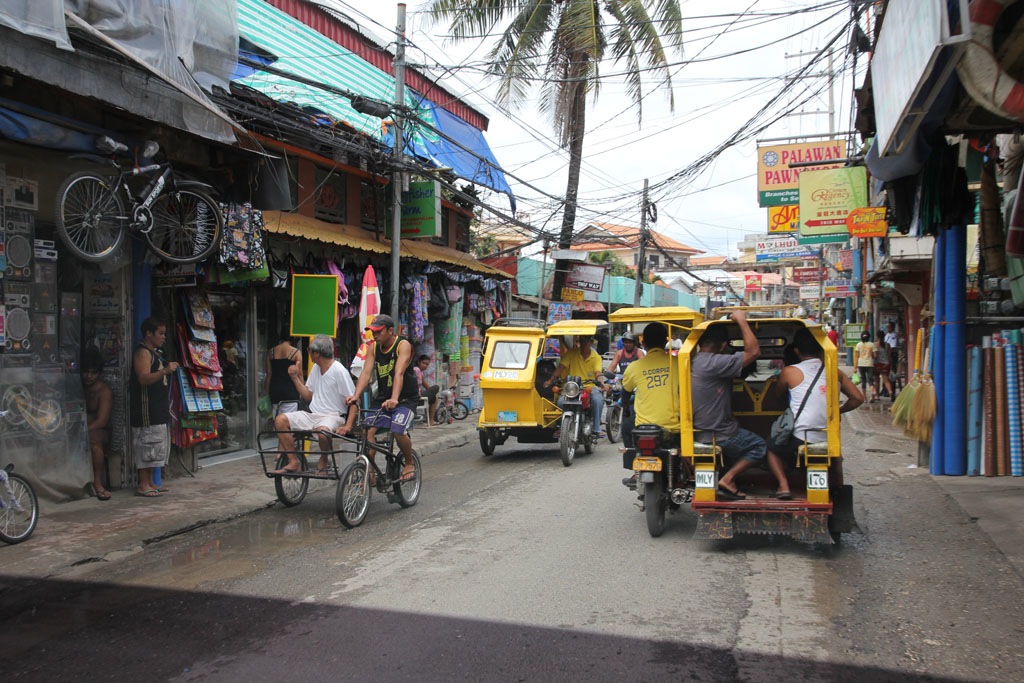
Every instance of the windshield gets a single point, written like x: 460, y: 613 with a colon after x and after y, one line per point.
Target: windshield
x: 510, y: 355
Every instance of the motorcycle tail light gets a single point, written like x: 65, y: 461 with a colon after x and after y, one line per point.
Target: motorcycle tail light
x: 585, y: 399
x: 571, y: 390
x: 647, y: 443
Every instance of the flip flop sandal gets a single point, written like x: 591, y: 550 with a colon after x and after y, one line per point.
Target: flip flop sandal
x: 147, y: 494
x: 407, y: 475
x: 103, y: 494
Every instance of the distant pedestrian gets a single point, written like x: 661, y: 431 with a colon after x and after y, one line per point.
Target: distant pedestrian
x: 98, y: 402
x: 150, y: 408
x: 865, y: 352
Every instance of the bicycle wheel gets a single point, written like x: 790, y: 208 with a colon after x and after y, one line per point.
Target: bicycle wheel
x: 352, y: 499
x: 460, y: 410
x: 408, y: 492
x: 441, y: 415
x: 186, y: 226
x: 19, y: 512
x: 291, y: 490
x: 90, y: 216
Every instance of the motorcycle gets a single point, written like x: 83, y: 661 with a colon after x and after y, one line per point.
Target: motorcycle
x: 576, y: 428
x: 665, y: 479
x: 613, y: 408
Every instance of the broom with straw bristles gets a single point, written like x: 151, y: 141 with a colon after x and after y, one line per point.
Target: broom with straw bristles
x: 901, y: 406
x: 922, y: 410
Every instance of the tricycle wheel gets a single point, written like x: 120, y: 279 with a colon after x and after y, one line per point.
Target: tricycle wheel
x: 567, y: 440
x: 487, y: 441
x: 291, y: 490
x: 654, y: 507
x: 352, y: 499
x: 409, y: 491
x: 614, y: 423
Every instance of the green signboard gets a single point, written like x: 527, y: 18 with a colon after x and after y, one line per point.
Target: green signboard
x: 421, y: 210
x: 826, y: 198
x: 314, y: 305
x: 851, y: 333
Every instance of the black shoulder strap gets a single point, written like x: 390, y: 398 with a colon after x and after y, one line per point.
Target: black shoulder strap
x: 808, y: 393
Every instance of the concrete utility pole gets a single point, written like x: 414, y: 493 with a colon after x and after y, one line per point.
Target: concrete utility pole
x: 642, y: 257
x: 396, y: 152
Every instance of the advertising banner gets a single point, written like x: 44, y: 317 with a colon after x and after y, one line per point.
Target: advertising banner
x: 845, y: 260
x: 868, y: 221
x: 569, y: 294
x: 826, y: 199
x: 777, y: 183
x: 421, y: 210
x: 783, y: 219
x: 810, y: 292
x: 586, y: 276
x: 839, y: 289
x: 752, y: 283
x: 803, y: 276
x: 776, y: 248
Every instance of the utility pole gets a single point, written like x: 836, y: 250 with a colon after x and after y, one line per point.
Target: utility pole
x: 642, y: 257
x: 543, y: 279
x: 397, y: 180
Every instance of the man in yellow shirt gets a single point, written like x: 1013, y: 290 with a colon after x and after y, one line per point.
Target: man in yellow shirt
x: 651, y: 378
x: 585, y: 363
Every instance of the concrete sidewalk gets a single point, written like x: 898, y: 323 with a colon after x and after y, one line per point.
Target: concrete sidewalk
x: 72, y: 534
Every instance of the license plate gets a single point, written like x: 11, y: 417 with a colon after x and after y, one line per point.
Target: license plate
x: 508, y: 416
x: 817, y: 480
x: 647, y: 464
x: 704, y: 479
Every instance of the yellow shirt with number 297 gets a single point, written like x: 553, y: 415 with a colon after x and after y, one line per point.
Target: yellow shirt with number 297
x: 651, y: 378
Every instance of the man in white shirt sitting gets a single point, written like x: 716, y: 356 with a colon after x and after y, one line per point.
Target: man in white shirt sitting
x: 326, y: 390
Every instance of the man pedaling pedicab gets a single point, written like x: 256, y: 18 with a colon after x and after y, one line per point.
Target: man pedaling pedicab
x: 712, y: 372
x: 651, y: 378
x: 326, y: 390
x: 397, y: 394
x: 585, y: 363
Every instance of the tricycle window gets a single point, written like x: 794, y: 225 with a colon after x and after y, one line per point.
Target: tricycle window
x: 510, y: 355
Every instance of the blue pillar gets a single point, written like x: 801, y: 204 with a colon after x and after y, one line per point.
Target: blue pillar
x: 937, y: 462
x: 954, y: 376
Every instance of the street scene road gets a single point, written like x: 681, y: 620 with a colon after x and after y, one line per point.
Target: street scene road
x: 514, y: 567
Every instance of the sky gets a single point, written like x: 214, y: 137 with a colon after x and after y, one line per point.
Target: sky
x: 737, y: 57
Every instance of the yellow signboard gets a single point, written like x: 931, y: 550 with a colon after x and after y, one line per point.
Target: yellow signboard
x: 569, y: 294
x: 778, y: 180
x: 783, y: 219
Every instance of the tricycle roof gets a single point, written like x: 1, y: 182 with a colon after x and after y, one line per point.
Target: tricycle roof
x: 575, y: 328
x: 665, y: 314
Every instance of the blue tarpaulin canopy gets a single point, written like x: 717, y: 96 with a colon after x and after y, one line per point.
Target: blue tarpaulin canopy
x: 440, y: 137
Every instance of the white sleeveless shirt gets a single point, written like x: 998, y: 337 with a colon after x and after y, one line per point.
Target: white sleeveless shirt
x: 813, y: 421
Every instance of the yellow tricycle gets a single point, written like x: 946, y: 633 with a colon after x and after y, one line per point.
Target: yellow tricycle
x: 518, y: 361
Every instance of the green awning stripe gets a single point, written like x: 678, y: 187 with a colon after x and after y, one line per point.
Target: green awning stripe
x: 304, y: 52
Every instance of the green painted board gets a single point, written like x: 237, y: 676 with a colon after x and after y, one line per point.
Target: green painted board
x: 314, y: 305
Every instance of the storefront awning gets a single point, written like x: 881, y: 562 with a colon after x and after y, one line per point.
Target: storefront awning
x: 297, y: 225
x: 438, y: 137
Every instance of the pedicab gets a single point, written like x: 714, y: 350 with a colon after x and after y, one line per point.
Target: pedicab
x: 672, y: 471
x: 516, y: 402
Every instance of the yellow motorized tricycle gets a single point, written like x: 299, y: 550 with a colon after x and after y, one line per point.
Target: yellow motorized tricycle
x: 673, y: 469
x: 518, y: 360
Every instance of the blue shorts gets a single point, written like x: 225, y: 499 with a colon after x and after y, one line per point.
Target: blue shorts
x: 398, y: 421
x: 744, y: 446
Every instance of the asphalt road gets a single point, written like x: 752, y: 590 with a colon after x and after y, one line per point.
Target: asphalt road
x: 513, y: 568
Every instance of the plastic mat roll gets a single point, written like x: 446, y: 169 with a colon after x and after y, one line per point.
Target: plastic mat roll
x: 1013, y: 435
x: 988, y: 374
x: 975, y: 401
x: 1002, y: 454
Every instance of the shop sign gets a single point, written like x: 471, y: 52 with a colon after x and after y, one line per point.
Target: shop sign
x: 867, y: 221
x: 845, y: 260
x: 314, y: 305
x: 826, y: 199
x: 175, y: 275
x: 570, y: 294
x: 802, y: 276
x: 586, y: 276
x: 783, y: 219
x: 752, y: 282
x: 421, y: 209
x: 839, y: 289
x: 559, y: 311
x: 775, y: 248
x: 777, y: 183
x: 852, y: 332
x: 810, y: 292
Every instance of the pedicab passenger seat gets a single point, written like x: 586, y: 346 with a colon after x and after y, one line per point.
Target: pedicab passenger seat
x: 818, y: 448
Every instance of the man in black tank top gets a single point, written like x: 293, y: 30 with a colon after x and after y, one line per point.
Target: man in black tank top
x: 390, y: 359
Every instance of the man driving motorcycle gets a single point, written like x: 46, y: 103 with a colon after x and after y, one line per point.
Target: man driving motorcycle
x: 585, y: 363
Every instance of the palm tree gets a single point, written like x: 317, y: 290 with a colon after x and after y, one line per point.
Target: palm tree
x: 562, y: 44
